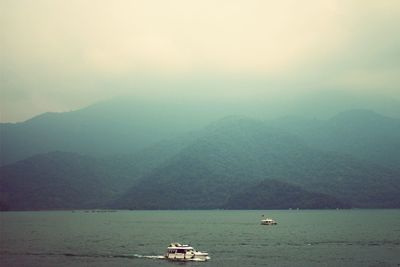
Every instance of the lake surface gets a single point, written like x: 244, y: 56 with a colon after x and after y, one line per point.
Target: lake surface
x: 232, y: 238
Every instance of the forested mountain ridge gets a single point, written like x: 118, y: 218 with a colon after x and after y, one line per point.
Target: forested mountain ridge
x: 120, y: 126
x: 237, y: 153
x: 233, y: 163
x: 364, y: 134
x: 127, y: 126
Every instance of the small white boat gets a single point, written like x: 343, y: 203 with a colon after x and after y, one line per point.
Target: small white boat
x: 178, y: 252
x: 268, y: 221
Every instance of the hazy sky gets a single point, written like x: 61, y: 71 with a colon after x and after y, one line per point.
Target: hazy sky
x: 63, y: 55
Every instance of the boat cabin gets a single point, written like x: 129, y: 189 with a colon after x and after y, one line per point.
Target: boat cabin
x: 268, y: 221
x: 179, y: 252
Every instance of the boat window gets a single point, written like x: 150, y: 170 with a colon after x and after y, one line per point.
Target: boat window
x: 180, y: 251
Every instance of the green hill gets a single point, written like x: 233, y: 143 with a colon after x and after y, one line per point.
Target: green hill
x: 235, y: 162
x: 235, y: 153
x: 363, y: 134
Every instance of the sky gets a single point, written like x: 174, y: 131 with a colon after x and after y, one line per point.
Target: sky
x: 63, y: 55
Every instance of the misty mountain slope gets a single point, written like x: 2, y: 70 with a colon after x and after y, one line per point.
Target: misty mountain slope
x: 205, y: 173
x: 56, y: 180
x: 145, y: 160
x: 127, y: 126
x: 272, y: 194
x: 61, y: 180
x: 355, y: 181
x: 361, y: 133
x: 235, y: 153
x: 216, y: 167
x: 119, y: 126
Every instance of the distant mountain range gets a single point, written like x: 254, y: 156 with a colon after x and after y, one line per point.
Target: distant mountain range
x: 350, y: 160
x: 117, y: 126
x: 107, y: 128
x: 361, y: 133
x: 234, y: 155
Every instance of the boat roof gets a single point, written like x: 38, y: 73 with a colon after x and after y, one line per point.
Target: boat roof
x: 180, y: 246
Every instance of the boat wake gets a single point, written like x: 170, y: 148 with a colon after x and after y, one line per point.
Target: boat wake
x: 160, y: 257
x: 86, y: 255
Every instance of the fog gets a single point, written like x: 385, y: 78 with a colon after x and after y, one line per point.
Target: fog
x: 260, y: 58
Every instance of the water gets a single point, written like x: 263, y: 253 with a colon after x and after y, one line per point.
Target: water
x: 232, y: 238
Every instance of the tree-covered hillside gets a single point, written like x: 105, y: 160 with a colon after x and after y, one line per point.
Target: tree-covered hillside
x: 363, y: 134
x: 236, y: 152
x: 234, y: 162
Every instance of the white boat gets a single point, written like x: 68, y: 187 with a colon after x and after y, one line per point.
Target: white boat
x: 180, y: 252
x: 268, y: 221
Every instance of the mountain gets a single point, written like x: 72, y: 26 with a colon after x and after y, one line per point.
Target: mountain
x: 119, y: 126
x: 233, y: 163
x: 363, y: 134
x: 56, y: 180
x: 66, y: 180
x: 127, y: 126
x: 238, y: 153
x: 271, y: 194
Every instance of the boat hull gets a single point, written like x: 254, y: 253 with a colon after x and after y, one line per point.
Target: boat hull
x: 186, y: 257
